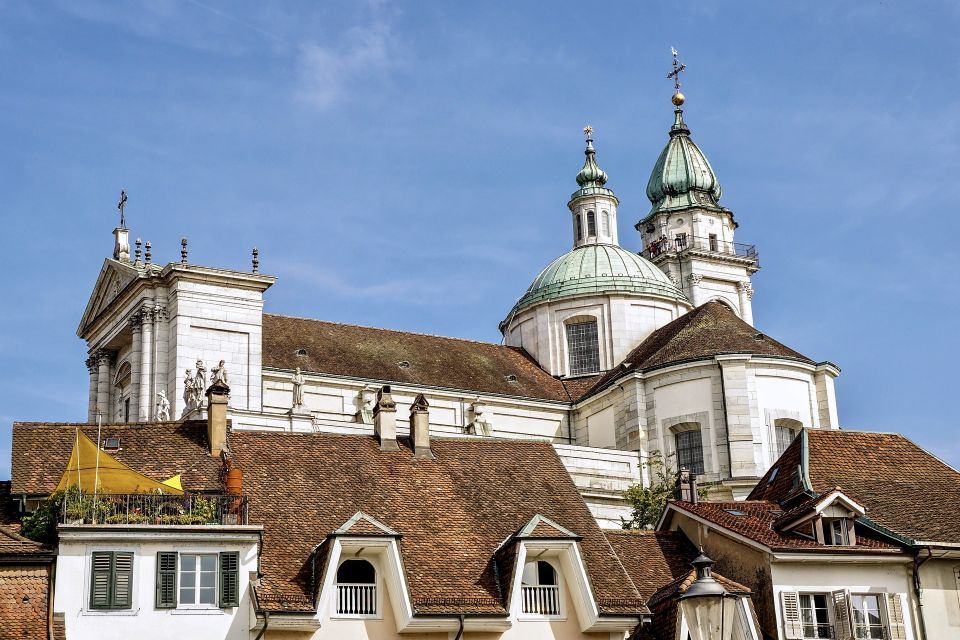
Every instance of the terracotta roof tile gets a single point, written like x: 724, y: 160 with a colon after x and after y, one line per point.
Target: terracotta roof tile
x: 757, y: 522
x: 708, y: 330
x: 159, y: 450
x: 23, y: 602
x: 904, y: 488
x: 653, y: 559
x: 14, y: 544
x: 453, y: 513
x: 375, y: 354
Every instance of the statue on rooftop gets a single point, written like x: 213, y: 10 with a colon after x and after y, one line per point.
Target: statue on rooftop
x: 218, y: 375
x: 163, y: 407
x: 188, y: 390
x: 298, y: 383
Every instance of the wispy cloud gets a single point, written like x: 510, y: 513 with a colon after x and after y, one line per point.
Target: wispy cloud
x: 327, y: 73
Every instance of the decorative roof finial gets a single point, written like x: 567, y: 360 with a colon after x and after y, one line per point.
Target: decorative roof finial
x: 121, y: 206
x: 588, y: 131
x: 183, y: 251
x: 256, y: 260
x: 146, y: 255
x: 678, y: 98
x: 591, y: 175
x: 136, y: 252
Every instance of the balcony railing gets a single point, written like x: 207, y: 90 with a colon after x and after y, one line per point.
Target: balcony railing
x: 154, y: 509
x: 356, y: 599
x: 542, y: 600
x: 681, y: 243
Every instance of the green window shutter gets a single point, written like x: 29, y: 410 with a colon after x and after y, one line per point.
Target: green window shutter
x: 166, y: 580
x: 229, y: 579
x: 122, y: 581
x: 101, y: 575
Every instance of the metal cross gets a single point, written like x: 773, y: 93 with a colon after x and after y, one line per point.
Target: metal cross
x: 677, y: 68
x: 121, y: 206
x: 588, y: 131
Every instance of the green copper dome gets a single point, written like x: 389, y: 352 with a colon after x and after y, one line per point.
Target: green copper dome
x: 592, y: 179
x: 682, y: 176
x: 598, y: 268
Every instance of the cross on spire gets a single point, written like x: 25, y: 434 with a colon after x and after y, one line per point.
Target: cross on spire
x: 677, y: 68
x: 121, y: 206
x: 588, y: 131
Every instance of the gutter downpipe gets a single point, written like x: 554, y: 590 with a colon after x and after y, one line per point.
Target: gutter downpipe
x: 460, y: 631
x: 918, y: 590
x: 266, y: 623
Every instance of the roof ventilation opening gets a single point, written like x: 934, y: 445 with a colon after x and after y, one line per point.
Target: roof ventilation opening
x: 403, y: 364
x: 510, y: 377
x: 759, y: 336
x: 735, y: 512
x: 301, y: 352
x: 110, y: 444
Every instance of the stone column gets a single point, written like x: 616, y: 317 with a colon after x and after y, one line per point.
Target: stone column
x: 745, y: 290
x: 740, y: 414
x: 103, y: 358
x: 136, y: 323
x: 146, y: 365
x: 694, y: 279
x: 161, y: 337
x: 92, y: 395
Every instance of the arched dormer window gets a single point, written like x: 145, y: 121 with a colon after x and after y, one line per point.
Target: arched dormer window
x: 540, y: 589
x: 583, y: 347
x: 605, y: 223
x: 591, y: 224
x: 356, y: 589
x: 578, y: 224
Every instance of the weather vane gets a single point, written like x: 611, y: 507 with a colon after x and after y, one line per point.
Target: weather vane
x: 121, y: 206
x: 675, y: 76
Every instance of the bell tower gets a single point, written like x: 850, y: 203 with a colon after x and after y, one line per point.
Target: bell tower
x: 687, y: 233
x: 593, y: 206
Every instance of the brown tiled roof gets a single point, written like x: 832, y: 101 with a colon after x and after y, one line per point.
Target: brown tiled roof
x: 23, y: 602
x: 708, y: 330
x: 374, y: 354
x: 757, y: 521
x: 653, y: 559
x: 159, y: 450
x: 680, y: 585
x: 904, y: 489
x: 12, y: 544
x: 453, y: 513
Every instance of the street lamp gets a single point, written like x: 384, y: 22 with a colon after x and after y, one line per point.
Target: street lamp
x: 708, y: 608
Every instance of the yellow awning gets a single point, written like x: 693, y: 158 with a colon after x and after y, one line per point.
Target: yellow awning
x: 90, y: 467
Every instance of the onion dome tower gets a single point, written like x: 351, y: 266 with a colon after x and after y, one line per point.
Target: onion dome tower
x: 587, y: 309
x: 687, y: 233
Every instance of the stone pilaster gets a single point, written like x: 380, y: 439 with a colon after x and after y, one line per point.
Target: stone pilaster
x: 136, y: 325
x: 146, y: 364
x: 161, y: 337
x: 826, y: 395
x: 92, y: 394
x: 103, y: 358
x: 741, y: 414
x: 745, y: 290
x: 693, y: 282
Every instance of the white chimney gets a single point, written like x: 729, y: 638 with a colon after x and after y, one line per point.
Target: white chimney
x: 385, y: 420
x: 420, y: 428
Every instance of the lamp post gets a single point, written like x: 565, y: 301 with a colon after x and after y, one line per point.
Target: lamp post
x: 708, y: 608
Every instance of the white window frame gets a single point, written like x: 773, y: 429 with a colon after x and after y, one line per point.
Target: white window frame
x: 196, y: 586
x: 828, y: 601
x: 377, y: 585
x: 882, y: 612
x: 561, y: 592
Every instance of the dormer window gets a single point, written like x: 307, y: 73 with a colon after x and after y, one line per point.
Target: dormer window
x: 356, y: 589
x: 836, y: 531
x: 540, y: 589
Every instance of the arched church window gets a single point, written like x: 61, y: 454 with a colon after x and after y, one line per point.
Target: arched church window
x: 584, y: 348
x: 356, y: 588
x: 690, y: 451
x: 540, y: 589
x: 785, y: 430
x: 605, y: 223
x: 121, y: 391
x: 578, y: 223
x: 591, y: 224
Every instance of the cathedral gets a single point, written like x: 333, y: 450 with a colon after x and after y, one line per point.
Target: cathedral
x: 617, y: 357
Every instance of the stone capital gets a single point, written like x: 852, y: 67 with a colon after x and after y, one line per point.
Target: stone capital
x: 694, y: 278
x: 103, y: 356
x: 136, y: 321
x: 91, y: 363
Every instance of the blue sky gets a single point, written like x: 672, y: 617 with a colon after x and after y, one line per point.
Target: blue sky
x: 407, y: 165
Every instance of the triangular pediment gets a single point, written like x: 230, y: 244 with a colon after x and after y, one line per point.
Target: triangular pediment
x: 363, y: 525
x: 114, y: 278
x: 543, y: 527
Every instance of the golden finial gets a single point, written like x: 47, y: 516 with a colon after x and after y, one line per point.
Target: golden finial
x: 678, y: 98
x: 588, y: 131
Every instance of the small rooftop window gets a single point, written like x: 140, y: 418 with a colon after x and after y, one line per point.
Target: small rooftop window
x: 510, y: 377
x: 110, y: 444
x: 759, y: 336
x: 301, y: 352
x: 403, y: 364
x: 773, y: 475
x: 735, y: 512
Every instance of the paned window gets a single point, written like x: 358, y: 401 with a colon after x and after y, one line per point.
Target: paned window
x: 785, y: 436
x: 111, y: 580
x: 578, y: 223
x: 584, y: 348
x: 867, y: 619
x: 591, y: 224
x: 835, y: 532
x: 198, y: 579
x: 690, y: 451
x: 605, y: 223
x: 815, y: 615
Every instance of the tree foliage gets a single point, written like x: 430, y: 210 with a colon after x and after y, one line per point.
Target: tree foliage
x: 648, y: 502
x: 41, y: 525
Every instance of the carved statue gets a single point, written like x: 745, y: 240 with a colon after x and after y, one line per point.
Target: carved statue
x: 298, y: 389
x: 218, y: 376
x: 200, y: 381
x: 188, y: 390
x: 163, y: 407
x: 482, y: 420
x: 368, y: 396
